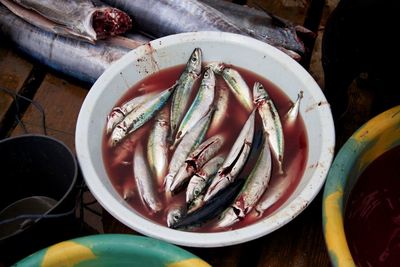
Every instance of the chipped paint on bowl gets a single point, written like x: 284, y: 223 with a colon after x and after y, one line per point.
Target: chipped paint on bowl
x: 112, y: 250
x: 374, y: 138
x: 238, y: 50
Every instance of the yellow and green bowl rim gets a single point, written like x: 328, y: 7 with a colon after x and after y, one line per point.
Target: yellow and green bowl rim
x: 112, y: 250
x: 371, y: 140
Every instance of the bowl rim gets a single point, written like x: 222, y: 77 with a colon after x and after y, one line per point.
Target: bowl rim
x: 93, y: 247
x: 333, y: 207
x: 217, y: 239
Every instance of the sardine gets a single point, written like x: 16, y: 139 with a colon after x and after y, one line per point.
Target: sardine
x: 117, y: 114
x: 140, y: 115
x: 235, y: 160
x: 199, y: 180
x: 212, y: 208
x: 196, y: 159
x: 200, y: 105
x: 77, y: 59
x: 271, y: 122
x: 157, y: 147
x: 238, y: 87
x: 253, y: 189
x: 144, y: 181
x: 293, y: 112
x: 78, y: 19
x: 189, y: 142
x: 280, y: 32
x: 222, y: 101
x: 180, y: 98
x: 187, y: 16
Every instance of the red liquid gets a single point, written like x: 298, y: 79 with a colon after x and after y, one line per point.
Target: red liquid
x: 372, y: 219
x: 120, y: 169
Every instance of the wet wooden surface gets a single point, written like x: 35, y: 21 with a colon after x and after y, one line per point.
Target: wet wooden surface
x: 299, y: 243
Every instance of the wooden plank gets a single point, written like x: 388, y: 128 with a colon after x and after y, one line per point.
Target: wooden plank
x: 14, y: 71
x: 61, y: 101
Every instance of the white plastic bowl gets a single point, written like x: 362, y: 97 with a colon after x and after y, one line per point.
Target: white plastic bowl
x: 235, y: 49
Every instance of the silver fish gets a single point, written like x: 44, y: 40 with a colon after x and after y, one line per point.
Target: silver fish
x: 180, y: 98
x: 157, y: 147
x: 235, y: 160
x: 192, y: 16
x: 201, y: 178
x: 189, y: 142
x: 238, y: 87
x: 78, y: 19
x: 200, y: 105
x: 271, y: 122
x: 253, y: 189
x: 117, y: 114
x: 144, y: 181
x: 279, y: 32
x: 204, y: 152
x: 140, y: 115
x: 293, y: 112
x: 222, y: 101
x: 77, y: 59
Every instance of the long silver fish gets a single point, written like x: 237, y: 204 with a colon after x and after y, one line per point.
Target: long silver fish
x: 77, y: 59
x: 78, y: 19
x: 200, y: 105
x: 199, y: 180
x: 117, y: 114
x: 185, y: 16
x: 140, y: 115
x: 253, y: 189
x: 271, y: 122
x: 279, y: 32
x: 189, y: 142
x: 180, y: 99
x: 222, y: 101
x: 239, y: 87
x: 235, y: 160
x: 157, y: 147
x: 196, y: 159
x: 144, y: 181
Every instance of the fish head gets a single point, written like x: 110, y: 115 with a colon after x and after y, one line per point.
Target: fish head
x: 259, y: 93
x: 228, y: 218
x: 209, y: 78
x: 174, y: 215
x: 194, y: 63
x: 217, y: 67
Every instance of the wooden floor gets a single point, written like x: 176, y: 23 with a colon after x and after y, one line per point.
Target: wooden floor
x: 300, y: 243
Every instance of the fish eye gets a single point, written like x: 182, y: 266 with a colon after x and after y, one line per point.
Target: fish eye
x: 194, y: 59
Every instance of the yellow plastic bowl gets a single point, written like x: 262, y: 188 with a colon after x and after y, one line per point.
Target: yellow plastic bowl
x: 374, y: 138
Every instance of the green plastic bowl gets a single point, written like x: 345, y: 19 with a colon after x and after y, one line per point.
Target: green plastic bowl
x: 374, y: 138
x: 113, y: 250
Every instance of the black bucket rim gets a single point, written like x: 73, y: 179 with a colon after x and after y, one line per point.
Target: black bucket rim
x: 69, y: 190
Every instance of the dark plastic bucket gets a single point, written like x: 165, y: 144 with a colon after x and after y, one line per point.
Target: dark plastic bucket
x: 44, y: 168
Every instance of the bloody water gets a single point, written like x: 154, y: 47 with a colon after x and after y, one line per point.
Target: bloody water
x: 118, y: 160
x: 372, y: 219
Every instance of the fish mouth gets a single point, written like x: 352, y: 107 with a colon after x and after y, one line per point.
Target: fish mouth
x: 109, y: 21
